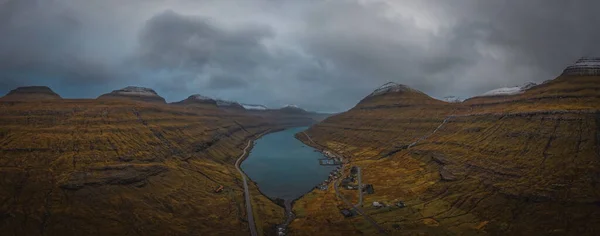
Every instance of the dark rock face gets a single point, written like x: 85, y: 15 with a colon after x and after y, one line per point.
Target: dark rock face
x: 446, y: 174
x: 31, y: 93
x: 229, y: 104
x: 123, y: 174
x: 586, y: 66
x: 134, y: 93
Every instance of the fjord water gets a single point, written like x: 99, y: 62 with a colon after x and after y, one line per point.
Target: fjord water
x: 283, y: 167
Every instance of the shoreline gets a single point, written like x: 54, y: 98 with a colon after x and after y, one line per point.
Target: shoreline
x: 286, y: 204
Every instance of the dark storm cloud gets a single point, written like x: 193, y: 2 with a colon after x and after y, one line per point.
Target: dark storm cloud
x: 177, y: 42
x: 226, y: 82
x: 492, y: 43
x: 322, y: 55
x: 544, y: 34
x: 41, y: 44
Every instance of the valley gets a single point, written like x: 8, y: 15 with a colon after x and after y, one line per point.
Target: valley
x: 515, y: 161
x: 128, y: 166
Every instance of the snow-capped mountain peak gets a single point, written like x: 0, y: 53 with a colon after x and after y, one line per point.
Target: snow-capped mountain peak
x: 254, y: 107
x: 136, y: 91
x: 200, y: 97
x: 291, y: 105
x: 510, y: 90
x: 391, y: 87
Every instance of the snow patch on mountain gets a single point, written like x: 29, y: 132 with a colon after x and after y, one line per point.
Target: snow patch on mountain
x: 225, y: 103
x: 201, y: 97
x: 136, y: 91
x: 510, y: 90
x: 291, y: 105
x: 452, y: 99
x: 391, y: 87
x: 254, y: 107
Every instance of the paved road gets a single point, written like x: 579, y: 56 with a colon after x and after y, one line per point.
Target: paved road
x: 337, y: 193
x: 249, y: 211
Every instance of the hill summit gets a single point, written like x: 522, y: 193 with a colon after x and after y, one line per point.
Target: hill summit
x: 392, y: 87
x: 134, y: 93
x: 586, y: 66
x: 31, y: 93
x: 197, y: 99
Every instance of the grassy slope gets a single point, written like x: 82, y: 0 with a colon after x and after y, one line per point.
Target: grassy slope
x: 140, y: 169
x: 524, y: 164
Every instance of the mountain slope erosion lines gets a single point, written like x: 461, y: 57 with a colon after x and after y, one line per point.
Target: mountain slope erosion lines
x: 514, y: 163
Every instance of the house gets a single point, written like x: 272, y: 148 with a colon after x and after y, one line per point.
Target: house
x: 347, y: 213
x: 377, y: 205
x: 354, y: 171
x: 346, y: 182
x: 368, y: 189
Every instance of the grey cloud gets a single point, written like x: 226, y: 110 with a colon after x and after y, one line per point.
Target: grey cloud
x: 323, y: 55
x: 226, y: 82
x: 178, y: 42
x: 41, y: 44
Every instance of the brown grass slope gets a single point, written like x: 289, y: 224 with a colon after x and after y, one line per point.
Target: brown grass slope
x: 119, y: 167
x: 30, y: 93
x: 527, y: 164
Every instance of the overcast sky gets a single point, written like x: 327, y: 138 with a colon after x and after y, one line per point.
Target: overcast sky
x: 322, y: 55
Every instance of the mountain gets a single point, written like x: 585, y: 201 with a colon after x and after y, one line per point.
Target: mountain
x: 520, y: 163
x: 116, y: 167
x: 292, y: 109
x: 197, y: 99
x: 134, y: 93
x: 200, y: 99
x: 510, y: 90
x: 229, y: 104
x: 586, y: 66
x: 30, y: 93
x: 452, y: 99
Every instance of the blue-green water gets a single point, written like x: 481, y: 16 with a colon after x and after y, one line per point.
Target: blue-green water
x: 283, y: 167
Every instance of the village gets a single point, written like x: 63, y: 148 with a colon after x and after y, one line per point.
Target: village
x: 350, y: 182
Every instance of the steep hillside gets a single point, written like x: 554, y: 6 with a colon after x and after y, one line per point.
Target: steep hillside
x: 121, y: 167
x: 30, y: 93
x: 523, y: 163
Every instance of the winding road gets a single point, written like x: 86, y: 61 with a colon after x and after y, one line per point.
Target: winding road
x: 249, y: 211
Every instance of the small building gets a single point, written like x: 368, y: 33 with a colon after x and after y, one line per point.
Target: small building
x: 368, y: 189
x: 346, y: 182
x: 347, y: 213
x: 400, y: 204
x: 322, y: 187
x: 354, y: 171
x: 378, y: 205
